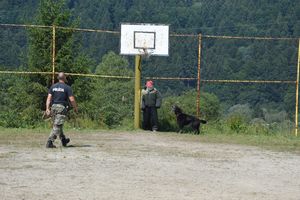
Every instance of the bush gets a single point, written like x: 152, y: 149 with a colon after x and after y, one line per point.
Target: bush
x: 18, y: 105
x: 237, y: 123
x: 111, y: 100
x: 238, y: 117
x: 271, y: 116
x: 242, y: 111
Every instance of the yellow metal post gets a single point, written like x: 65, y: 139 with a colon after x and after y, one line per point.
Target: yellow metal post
x: 198, y: 77
x: 53, y: 53
x: 137, y: 93
x: 297, y: 91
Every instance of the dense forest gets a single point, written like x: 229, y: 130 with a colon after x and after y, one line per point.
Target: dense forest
x: 30, y: 49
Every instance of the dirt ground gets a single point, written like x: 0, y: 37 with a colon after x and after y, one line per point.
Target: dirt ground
x: 144, y: 165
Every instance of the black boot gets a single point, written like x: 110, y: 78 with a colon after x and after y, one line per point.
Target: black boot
x: 65, y: 141
x: 50, y: 144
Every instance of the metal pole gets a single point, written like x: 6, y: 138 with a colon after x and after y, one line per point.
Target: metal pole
x: 198, y: 75
x: 53, y: 53
x: 297, y: 91
x: 137, y: 93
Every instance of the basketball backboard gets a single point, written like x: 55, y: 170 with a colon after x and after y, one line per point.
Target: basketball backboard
x: 136, y: 39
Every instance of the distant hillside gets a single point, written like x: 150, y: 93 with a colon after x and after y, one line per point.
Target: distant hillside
x: 278, y: 18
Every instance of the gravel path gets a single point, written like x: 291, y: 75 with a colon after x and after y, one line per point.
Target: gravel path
x: 145, y: 166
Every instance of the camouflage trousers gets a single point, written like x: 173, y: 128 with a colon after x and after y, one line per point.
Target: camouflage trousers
x: 58, y: 113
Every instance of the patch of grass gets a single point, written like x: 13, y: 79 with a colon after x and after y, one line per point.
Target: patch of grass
x: 11, y: 133
x: 270, y: 142
x: 277, y: 142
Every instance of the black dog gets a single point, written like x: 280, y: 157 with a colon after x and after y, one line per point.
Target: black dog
x: 184, y: 119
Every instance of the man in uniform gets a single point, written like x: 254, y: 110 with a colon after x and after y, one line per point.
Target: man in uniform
x: 151, y: 101
x: 59, y: 96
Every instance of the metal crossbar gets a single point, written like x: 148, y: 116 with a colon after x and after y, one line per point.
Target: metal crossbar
x: 198, y: 78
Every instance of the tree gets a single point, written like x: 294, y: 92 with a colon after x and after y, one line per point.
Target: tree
x: 51, y: 12
x: 25, y: 97
x: 68, y: 57
x: 112, y: 99
x: 18, y: 109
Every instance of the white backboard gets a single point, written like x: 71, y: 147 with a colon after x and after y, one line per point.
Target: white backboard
x: 136, y: 37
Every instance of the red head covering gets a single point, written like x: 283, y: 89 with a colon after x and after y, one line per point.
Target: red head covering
x: 149, y: 84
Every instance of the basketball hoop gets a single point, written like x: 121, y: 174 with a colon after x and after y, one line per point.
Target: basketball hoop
x: 144, y: 39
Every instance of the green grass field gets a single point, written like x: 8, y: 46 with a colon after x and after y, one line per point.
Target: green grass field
x: 270, y: 142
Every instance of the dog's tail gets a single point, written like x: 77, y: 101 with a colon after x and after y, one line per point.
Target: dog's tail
x: 203, y: 121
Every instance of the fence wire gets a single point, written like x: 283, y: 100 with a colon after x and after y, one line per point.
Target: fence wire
x: 198, y: 62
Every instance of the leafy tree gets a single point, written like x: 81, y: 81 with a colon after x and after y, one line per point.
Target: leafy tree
x: 112, y: 99
x: 68, y: 57
x: 18, y: 109
x: 51, y: 12
x: 25, y: 97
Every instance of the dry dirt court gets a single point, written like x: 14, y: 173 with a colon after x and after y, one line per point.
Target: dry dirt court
x: 143, y: 165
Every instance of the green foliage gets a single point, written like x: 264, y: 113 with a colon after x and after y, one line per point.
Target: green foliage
x: 18, y: 109
x: 240, y: 120
x: 244, y: 112
x: 25, y: 97
x: 113, y: 64
x: 52, y: 13
x: 109, y: 102
x: 68, y: 57
x: 112, y: 99
x: 236, y: 123
x: 236, y: 126
x: 259, y: 126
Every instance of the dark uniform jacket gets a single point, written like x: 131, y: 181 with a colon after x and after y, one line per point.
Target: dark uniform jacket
x: 60, y: 93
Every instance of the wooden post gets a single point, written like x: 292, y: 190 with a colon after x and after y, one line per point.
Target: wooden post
x: 53, y: 53
x: 198, y: 75
x: 297, y: 91
x: 137, y: 93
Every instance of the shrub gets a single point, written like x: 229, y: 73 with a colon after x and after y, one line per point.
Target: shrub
x: 112, y: 100
x: 238, y: 117
x: 237, y: 123
x: 271, y: 116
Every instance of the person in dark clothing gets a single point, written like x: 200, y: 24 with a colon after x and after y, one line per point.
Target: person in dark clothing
x: 59, y: 96
x: 144, y: 125
x: 151, y: 101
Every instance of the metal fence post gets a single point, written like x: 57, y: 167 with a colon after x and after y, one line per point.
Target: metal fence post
x: 137, y: 93
x: 53, y: 52
x: 297, y: 91
x: 198, y: 75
